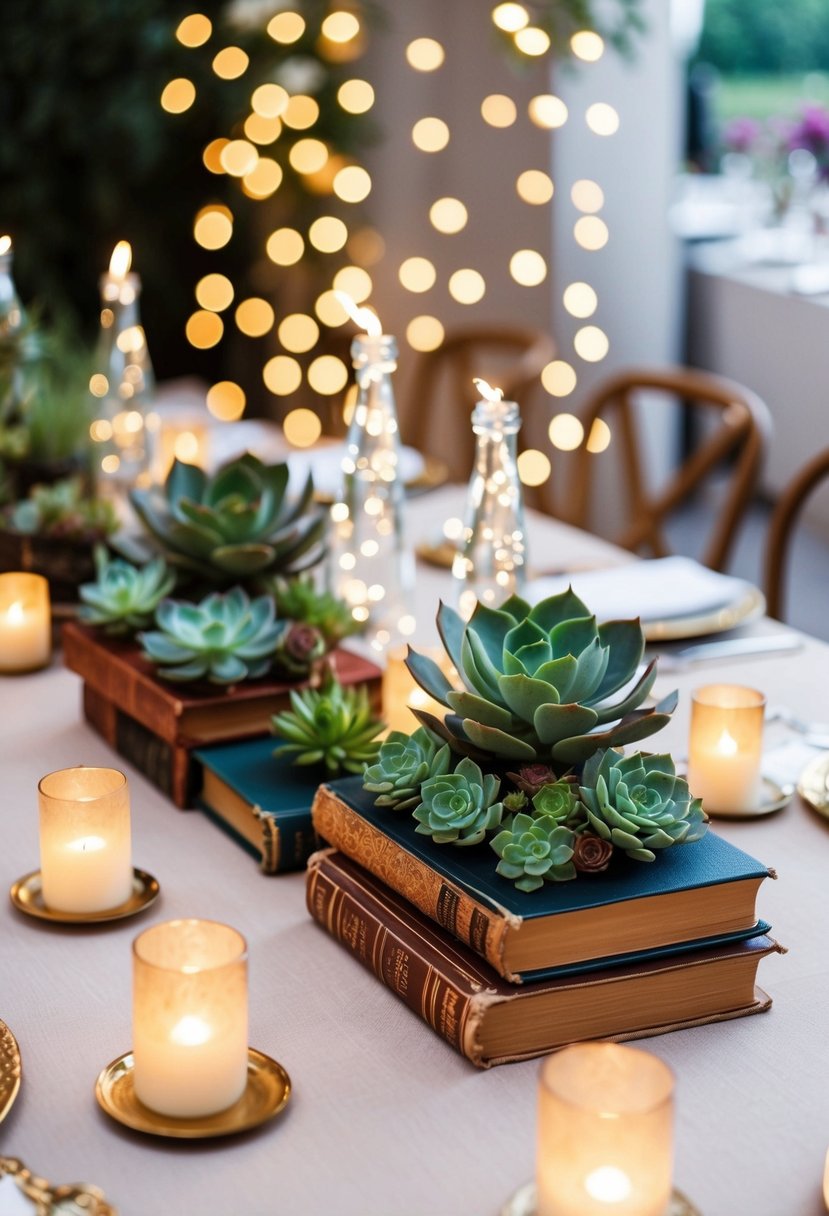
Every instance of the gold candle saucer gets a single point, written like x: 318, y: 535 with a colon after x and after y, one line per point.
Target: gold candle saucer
x: 773, y: 797
x: 27, y: 896
x: 266, y: 1094
x: 524, y: 1203
x: 9, y: 1070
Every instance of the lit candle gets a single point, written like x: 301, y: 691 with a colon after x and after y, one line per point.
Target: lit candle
x: 401, y: 693
x: 85, y: 846
x: 25, y: 622
x: 726, y: 747
x: 118, y: 283
x: 190, y: 1017
x: 605, y: 1133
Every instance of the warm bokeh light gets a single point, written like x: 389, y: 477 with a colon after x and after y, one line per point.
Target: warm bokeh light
x: 178, y: 95
x: 587, y: 195
x: 298, y: 332
x: 308, y: 155
x: 510, y: 17
x: 417, y: 274
x: 269, y: 101
x: 580, y: 300
x: 547, y: 111
x: 282, y: 375
x: 285, y: 246
x: 430, y: 134
x: 194, y: 30
x: 566, y: 432
x: 286, y: 27
x: 238, y: 157
x: 226, y: 401
x: 328, y: 234
x: 355, y: 282
x: 528, y: 267
x: 591, y: 343
x: 302, y: 428
x: 120, y: 260
x: 448, y: 215
x: 366, y: 246
x: 264, y: 179
x: 231, y: 63
x: 340, y: 27
x: 499, y: 110
x: 424, y: 333
x: 467, y: 286
x: 99, y: 387
x: 532, y: 41
x: 534, y: 186
x: 534, y: 467
x: 352, y: 184
x: 204, y: 329
x: 591, y: 232
x: 213, y: 227
x: 327, y: 375
x: 587, y: 45
x: 599, y: 438
x: 355, y: 96
x: 212, y: 154
x: 301, y: 112
x: 425, y: 54
x: 261, y: 130
x: 558, y: 378
x: 214, y: 292
x: 602, y: 119
x: 254, y: 317
x: 330, y: 310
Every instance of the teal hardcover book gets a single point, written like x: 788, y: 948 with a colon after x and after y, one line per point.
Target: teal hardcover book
x: 262, y: 801
x: 690, y: 895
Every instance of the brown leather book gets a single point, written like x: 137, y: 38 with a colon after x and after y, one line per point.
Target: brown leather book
x: 493, y: 1022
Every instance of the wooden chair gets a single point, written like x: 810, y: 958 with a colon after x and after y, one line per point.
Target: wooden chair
x: 442, y: 395
x: 737, y: 423
x: 785, y: 515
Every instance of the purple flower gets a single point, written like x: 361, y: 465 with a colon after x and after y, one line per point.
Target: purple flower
x: 740, y: 134
x: 811, y: 132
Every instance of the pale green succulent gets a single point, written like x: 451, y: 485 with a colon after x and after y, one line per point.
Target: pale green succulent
x: 639, y: 804
x: 235, y: 525
x: 298, y: 599
x: 403, y: 763
x: 559, y: 800
x: 333, y: 726
x: 460, y: 807
x: 534, y: 850
x: 124, y: 597
x: 224, y: 639
x: 538, y: 684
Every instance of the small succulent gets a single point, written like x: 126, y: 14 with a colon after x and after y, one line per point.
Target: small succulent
x: 299, y: 647
x: 224, y: 639
x: 591, y: 854
x: 560, y: 801
x: 460, y: 807
x: 530, y: 778
x: 235, y: 525
x: 403, y: 763
x: 639, y: 804
x: 297, y: 599
x: 332, y: 725
x: 539, y: 685
x: 124, y: 597
x: 62, y: 510
x: 534, y: 850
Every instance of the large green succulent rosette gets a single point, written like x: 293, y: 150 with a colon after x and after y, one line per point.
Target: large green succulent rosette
x: 460, y: 807
x: 539, y: 684
x: 639, y: 804
x: 534, y: 850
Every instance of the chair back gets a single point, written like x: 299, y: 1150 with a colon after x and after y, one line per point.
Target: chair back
x: 737, y: 423
x: 784, y: 517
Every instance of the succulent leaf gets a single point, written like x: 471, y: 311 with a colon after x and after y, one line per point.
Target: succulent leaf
x: 403, y: 763
x: 332, y: 725
x: 124, y: 597
x: 460, y: 807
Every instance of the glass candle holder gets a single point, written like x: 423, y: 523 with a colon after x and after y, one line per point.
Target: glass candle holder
x: 25, y: 622
x: 605, y: 1132
x: 190, y: 1017
x: 85, y: 846
x: 726, y: 746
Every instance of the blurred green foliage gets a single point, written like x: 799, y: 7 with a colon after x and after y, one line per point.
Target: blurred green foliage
x: 764, y: 36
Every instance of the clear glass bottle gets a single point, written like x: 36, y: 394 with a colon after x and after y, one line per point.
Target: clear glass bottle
x: 12, y: 330
x: 370, y: 566
x: 490, y: 564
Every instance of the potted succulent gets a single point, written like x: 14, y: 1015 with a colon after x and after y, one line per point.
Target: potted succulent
x: 332, y: 728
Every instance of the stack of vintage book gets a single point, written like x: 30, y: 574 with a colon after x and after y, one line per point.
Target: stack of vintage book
x: 159, y: 727
x: 504, y: 975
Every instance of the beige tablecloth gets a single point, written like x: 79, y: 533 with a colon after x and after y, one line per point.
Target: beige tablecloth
x: 385, y: 1119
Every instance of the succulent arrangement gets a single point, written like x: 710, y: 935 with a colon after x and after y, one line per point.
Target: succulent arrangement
x: 332, y: 726
x: 550, y: 693
x: 63, y: 510
x: 298, y: 599
x: 124, y: 597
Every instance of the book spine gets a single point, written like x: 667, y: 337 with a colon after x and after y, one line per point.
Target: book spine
x: 481, y: 928
x: 287, y: 841
x: 104, y: 670
x: 357, y: 922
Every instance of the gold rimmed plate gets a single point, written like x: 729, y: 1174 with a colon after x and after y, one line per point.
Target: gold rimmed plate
x: 525, y: 1203
x: 813, y: 786
x: 773, y: 798
x: 40, y: 1196
x: 266, y: 1094
x: 27, y: 896
x: 748, y: 606
x: 10, y: 1070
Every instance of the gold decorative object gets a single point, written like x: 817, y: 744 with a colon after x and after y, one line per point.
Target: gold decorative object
x: 27, y: 896
x: 9, y: 1070
x: 266, y: 1094
x: 813, y: 785
x: 523, y: 1203
x: 748, y: 606
x: 773, y: 797
x: 75, y: 1199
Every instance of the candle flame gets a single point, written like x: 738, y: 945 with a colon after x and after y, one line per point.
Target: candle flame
x: 121, y: 260
x: 364, y: 317
x: 726, y: 744
x: 87, y: 844
x: 15, y: 614
x: 487, y: 391
x: 608, y: 1184
x: 190, y: 1031
x: 5, y: 244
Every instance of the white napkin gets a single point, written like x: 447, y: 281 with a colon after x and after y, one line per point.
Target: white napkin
x: 12, y: 1200
x: 654, y: 590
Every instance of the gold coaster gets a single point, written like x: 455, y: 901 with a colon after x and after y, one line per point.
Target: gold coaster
x: 27, y: 896
x: 9, y: 1070
x: 523, y: 1203
x: 266, y: 1094
x: 773, y: 798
